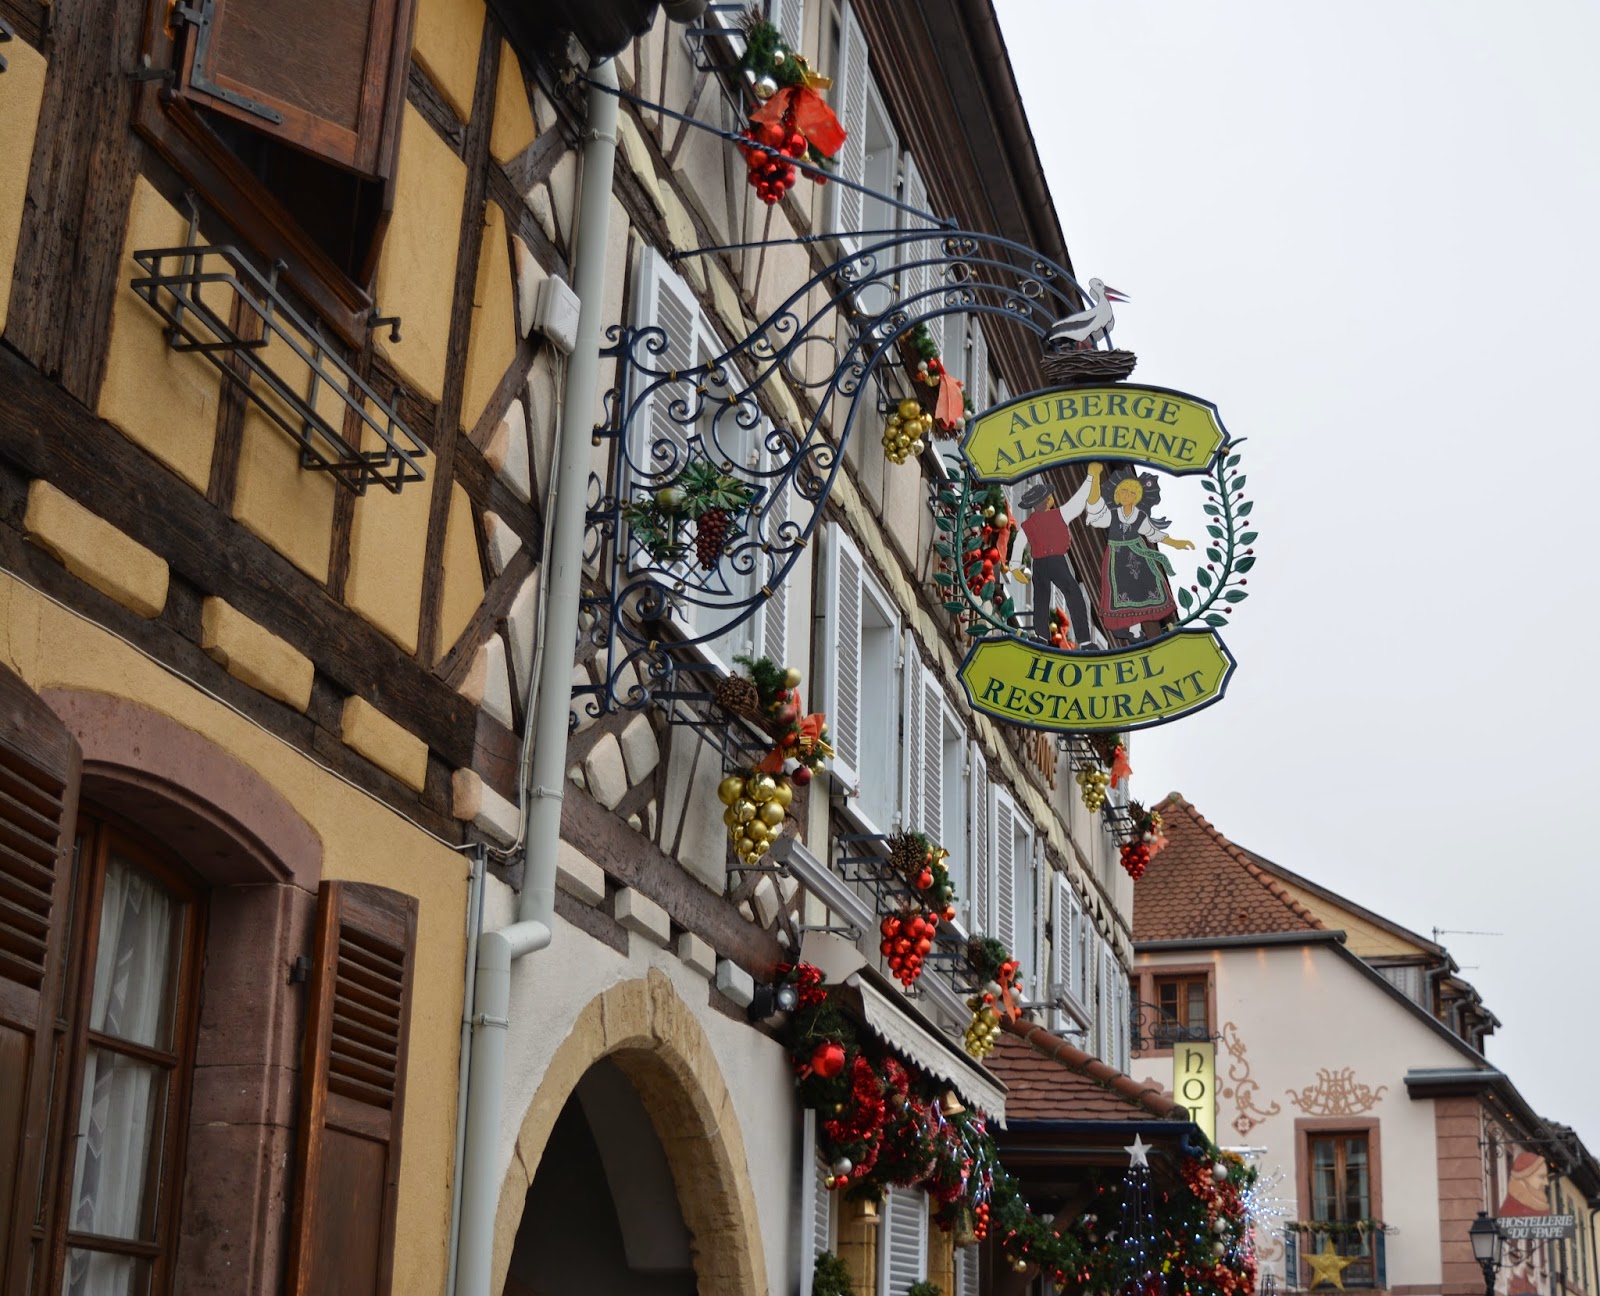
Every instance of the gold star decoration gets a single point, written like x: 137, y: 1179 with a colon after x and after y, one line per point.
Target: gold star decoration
x: 1328, y: 1266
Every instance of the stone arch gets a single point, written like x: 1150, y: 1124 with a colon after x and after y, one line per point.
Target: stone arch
x: 648, y: 1031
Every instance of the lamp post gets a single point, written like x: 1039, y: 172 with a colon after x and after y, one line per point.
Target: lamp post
x: 1485, y: 1235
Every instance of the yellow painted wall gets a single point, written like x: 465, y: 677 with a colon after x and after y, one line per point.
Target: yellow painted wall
x: 164, y: 399
x: 417, y: 267
x: 1365, y: 938
x: 388, y: 540
x: 463, y: 571
x: 362, y: 841
x: 493, y: 342
x: 448, y: 35
x: 513, y: 128
x: 21, y: 89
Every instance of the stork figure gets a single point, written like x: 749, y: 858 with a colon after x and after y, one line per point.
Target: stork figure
x: 1086, y: 327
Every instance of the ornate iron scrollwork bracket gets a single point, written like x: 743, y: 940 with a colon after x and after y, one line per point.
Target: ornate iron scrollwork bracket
x: 664, y: 597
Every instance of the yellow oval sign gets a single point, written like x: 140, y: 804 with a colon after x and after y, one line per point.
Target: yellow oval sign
x: 1150, y: 425
x: 1077, y: 692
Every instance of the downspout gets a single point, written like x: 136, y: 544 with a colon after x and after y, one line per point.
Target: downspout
x: 463, y: 1076
x: 548, y: 710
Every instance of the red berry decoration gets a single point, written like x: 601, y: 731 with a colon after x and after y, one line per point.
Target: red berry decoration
x: 1136, y: 858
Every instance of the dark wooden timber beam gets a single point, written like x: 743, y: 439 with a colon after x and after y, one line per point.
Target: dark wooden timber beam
x: 46, y: 433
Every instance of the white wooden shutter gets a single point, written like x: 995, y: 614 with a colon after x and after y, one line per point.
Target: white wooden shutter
x: 774, y: 614
x: 1075, y: 937
x: 910, y: 730
x: 1104, y: 1046
x: 1060, y: 977
x: 1040, y: 879
x: 977, y: 366
x: 932, y: 761
x: 664, y: 302
x: 1086, y: 947
x: 789, y: 17
x: 1122, y: 1028
x: 851, y: 81
x: 969, y: 1275
x: 980, y: 898
x: 917, y: 279
x: 902, y: 1241
x: 839, y: 653
x: 1005, y: 841
x: 816, y: 1203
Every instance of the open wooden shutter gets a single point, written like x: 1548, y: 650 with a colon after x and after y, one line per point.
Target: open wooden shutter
x: 319, y: 79
x: 980, y: 897
x: 774, y: 614
x: 816, y: 1203
x: 913, y: 723
x: 977, y: 388
x: 850, y: 82
x: 39, y: 772
x: 969, y: 1270
x: 920, y: 276
x: 932, y: 758
x: 1060, y: 976
x: 902, y: 1241
x: 1005, y: 843
x: 789, y: 17
x: 839, y: 654
x: 352, y: 1093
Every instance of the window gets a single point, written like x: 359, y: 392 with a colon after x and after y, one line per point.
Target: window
x: 858, y: 655
x: 1183, y: 1009
x: 1340, y: 1185
x: 289, y: 127
x: 133, y: 1035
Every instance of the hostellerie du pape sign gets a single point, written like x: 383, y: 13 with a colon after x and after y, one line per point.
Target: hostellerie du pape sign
x: 1038, y: 659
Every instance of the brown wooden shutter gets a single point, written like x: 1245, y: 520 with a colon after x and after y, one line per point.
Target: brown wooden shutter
x: 40, y: 764
x: 317, y: 76
x: 352, y: 1091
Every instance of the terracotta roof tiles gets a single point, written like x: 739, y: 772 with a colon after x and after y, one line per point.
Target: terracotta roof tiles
x: 1202, y: 885
x: 1047, y: 1078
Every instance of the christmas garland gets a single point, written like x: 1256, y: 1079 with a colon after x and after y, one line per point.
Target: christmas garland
x: 793, y: 122
x: 881, y: 1122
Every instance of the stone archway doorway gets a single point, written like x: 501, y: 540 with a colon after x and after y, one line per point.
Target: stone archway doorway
x: 602, y: 1216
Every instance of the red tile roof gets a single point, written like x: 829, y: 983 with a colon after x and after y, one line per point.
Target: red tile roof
x: 1047, y: 1078
x: 1203, y: 885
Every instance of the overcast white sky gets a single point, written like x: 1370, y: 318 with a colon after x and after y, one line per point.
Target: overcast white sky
x: 1368, y: 231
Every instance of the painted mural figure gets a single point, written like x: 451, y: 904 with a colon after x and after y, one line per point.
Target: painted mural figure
x: 1526, y: 1189
x: 1049, y: 536
x: 1133, y: 580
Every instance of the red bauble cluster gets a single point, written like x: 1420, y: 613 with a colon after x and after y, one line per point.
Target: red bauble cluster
x: 771, y: 175
x: 1136, y: 858
x: 907, y: 938
x: 980, y: 1220
x: 1059, y: 629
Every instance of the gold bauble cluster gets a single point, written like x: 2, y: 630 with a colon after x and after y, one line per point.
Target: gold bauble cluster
x: 1093, y: 782
x: 756, y: 808
x: 907, y: 431
x: 983, y: 1031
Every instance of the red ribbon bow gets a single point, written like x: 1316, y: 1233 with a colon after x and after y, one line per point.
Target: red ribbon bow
x: 811, y: 115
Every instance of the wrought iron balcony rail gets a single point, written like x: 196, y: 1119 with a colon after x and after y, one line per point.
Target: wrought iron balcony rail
x: 1365, y: 1247
x: 215, y: 303
x: 1150, y: 1029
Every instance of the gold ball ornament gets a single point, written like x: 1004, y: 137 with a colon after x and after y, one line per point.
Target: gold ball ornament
x: 730, y: 789
x: 744, y: 810
x: 761, y: 788
x: 771, y: 813
x: 910, y: 409
x: 785, y: 793
x: 756, y: 831
x: 730, y: 819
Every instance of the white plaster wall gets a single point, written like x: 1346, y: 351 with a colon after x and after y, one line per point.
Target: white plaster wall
x: 1301, y: 1008
x: 550, y: 989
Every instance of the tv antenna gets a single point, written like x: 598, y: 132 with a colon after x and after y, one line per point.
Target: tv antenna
x: 1456, y: 931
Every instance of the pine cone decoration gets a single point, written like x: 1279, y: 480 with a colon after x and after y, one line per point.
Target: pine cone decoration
x: 905, y: 855
x: 739, y: 695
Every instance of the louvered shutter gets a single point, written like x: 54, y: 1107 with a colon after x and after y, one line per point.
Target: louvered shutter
x: 1039, y: 879
x: 774, y: 614
x: 1086, y: 939
x: 933, y: 728
x: 850, y: 80
x: 664, y: 302
x: 839, y: 654
x: 789, y: 17
x: 1075, y: 935
x: 352, y: 1091
x: 39, y: 773
x: 913, y: 699
x: 1104, y: 1046
x: 816, y: 1203
x: 1060, y: 948
x: 1005, y: 843
x: 980, y: 889
x: 902, y: 1241
x: 977, y: 366
x: 969, y: 1270
x: 321, y: 86
x: 920, y: 276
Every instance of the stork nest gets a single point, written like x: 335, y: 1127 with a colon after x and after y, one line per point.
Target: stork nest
x: 1074, y: 368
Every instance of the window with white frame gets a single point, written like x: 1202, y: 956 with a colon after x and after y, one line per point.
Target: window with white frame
x: 665, y: 301
x: 902, y: 1241
x: 858, y: 656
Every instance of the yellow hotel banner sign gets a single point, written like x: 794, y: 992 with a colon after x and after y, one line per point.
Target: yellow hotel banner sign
x: 1194, y: 1083
x: 1151, y: 425
x: 1027, y: 683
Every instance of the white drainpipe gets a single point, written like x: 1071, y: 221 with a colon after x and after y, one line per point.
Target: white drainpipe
x: 497, y: 950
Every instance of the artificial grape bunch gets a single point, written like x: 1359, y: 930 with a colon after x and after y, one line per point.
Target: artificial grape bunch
x: 771, y: 175
x: 906, y: 432
x: 711, y: 530
x: 757, y: 805
x: 907, y: 938
x: 1136, y: 858
x: 983, y: 1031
x: 1093, y: 783
x: 980, y: 1221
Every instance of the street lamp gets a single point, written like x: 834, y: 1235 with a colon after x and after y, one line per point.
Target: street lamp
x: 1485, y: 1235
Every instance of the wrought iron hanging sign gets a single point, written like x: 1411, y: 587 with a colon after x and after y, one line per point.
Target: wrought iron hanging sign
x: 1042, y: 666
